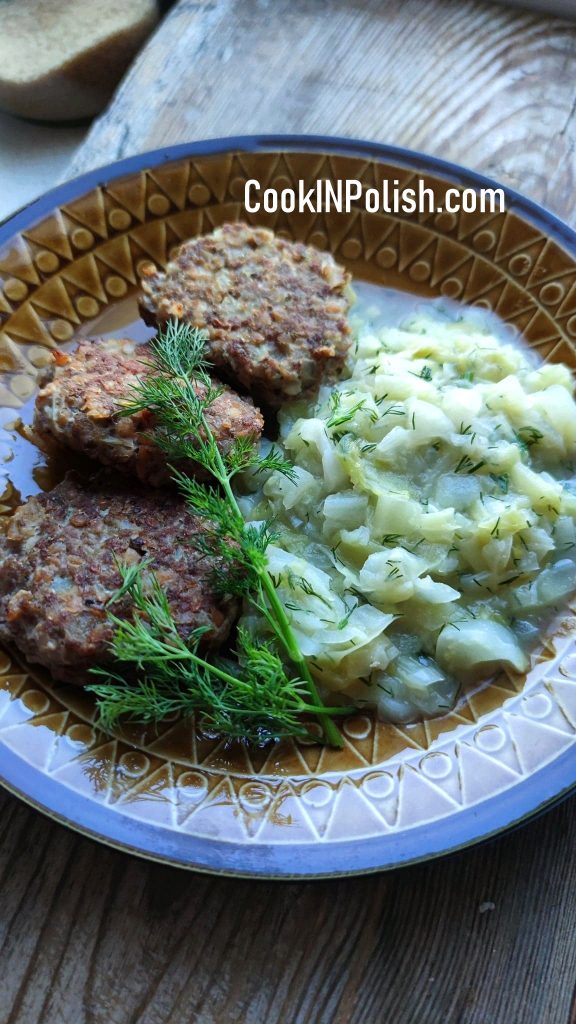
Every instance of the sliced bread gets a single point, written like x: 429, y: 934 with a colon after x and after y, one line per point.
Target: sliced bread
x: 61, y: 59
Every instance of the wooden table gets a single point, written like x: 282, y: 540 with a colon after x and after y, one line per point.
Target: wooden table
x: 91, y: 936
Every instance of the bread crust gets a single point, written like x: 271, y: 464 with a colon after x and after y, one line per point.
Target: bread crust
x: 81, y: 81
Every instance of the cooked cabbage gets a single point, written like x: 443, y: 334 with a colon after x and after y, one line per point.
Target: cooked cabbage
x: 414, y: 684
x: 430, y: 525
x: 477, y: 644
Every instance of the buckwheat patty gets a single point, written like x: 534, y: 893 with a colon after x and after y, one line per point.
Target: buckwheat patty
x: 58, y: 569
x: 275, y: 311
x: 81, y: 395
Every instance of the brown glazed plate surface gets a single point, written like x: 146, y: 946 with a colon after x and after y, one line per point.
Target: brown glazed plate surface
x: 69, y: 264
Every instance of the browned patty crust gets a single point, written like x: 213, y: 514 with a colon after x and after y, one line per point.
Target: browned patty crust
x: 81, y: 394
x: 275, y: 311
x: 57, y: 571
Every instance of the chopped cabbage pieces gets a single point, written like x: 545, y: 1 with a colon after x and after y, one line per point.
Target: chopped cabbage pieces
x: 430, y: 526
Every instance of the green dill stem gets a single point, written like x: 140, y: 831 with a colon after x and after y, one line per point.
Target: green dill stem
x: 190, y: 408
x: 226, y: 677
x: 330, y: 730
x: 181, y: 654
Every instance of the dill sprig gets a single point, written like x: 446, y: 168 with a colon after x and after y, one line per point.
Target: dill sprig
x: 338, y: 417
x: 254, y: 697
x: 526, y: 437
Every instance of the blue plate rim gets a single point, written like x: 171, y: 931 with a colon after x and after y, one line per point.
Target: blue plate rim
x: 338, y: 145
x: 520, y: 803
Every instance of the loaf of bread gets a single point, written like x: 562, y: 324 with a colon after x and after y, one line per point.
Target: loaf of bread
x: 60, y: 60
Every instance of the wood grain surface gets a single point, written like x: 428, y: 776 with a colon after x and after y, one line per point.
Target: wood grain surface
x: 91, y: 936
x: 476, y: 83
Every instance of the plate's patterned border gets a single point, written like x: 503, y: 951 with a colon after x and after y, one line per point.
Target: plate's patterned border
x: 66, y: 269
x: 294, y: 793
x: 63, y: 271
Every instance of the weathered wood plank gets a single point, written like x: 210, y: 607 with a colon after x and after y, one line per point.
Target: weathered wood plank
x: 476, y: 83
x: 91, y: 936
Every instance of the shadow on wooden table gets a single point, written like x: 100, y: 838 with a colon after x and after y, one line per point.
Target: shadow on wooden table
x: 92, y: 936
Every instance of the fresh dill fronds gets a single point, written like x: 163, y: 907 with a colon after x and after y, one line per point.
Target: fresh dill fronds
x: 527, y: 436
x: 464, y: 465
x: 296, y: 583
x: 393, y: 410
x: 255, y: 696
x: 424, y: 374
x: 251, y: 699
x: 335, y: 555
x: 511, y: 579
x: 338, y: 418
x: 394, y: 573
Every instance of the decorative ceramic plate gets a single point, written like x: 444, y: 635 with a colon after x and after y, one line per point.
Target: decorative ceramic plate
x: 69, y: 264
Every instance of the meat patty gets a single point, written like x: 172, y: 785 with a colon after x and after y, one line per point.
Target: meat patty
x: 274, y: 311
x: 79, y: 401
x: 58, y: 570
